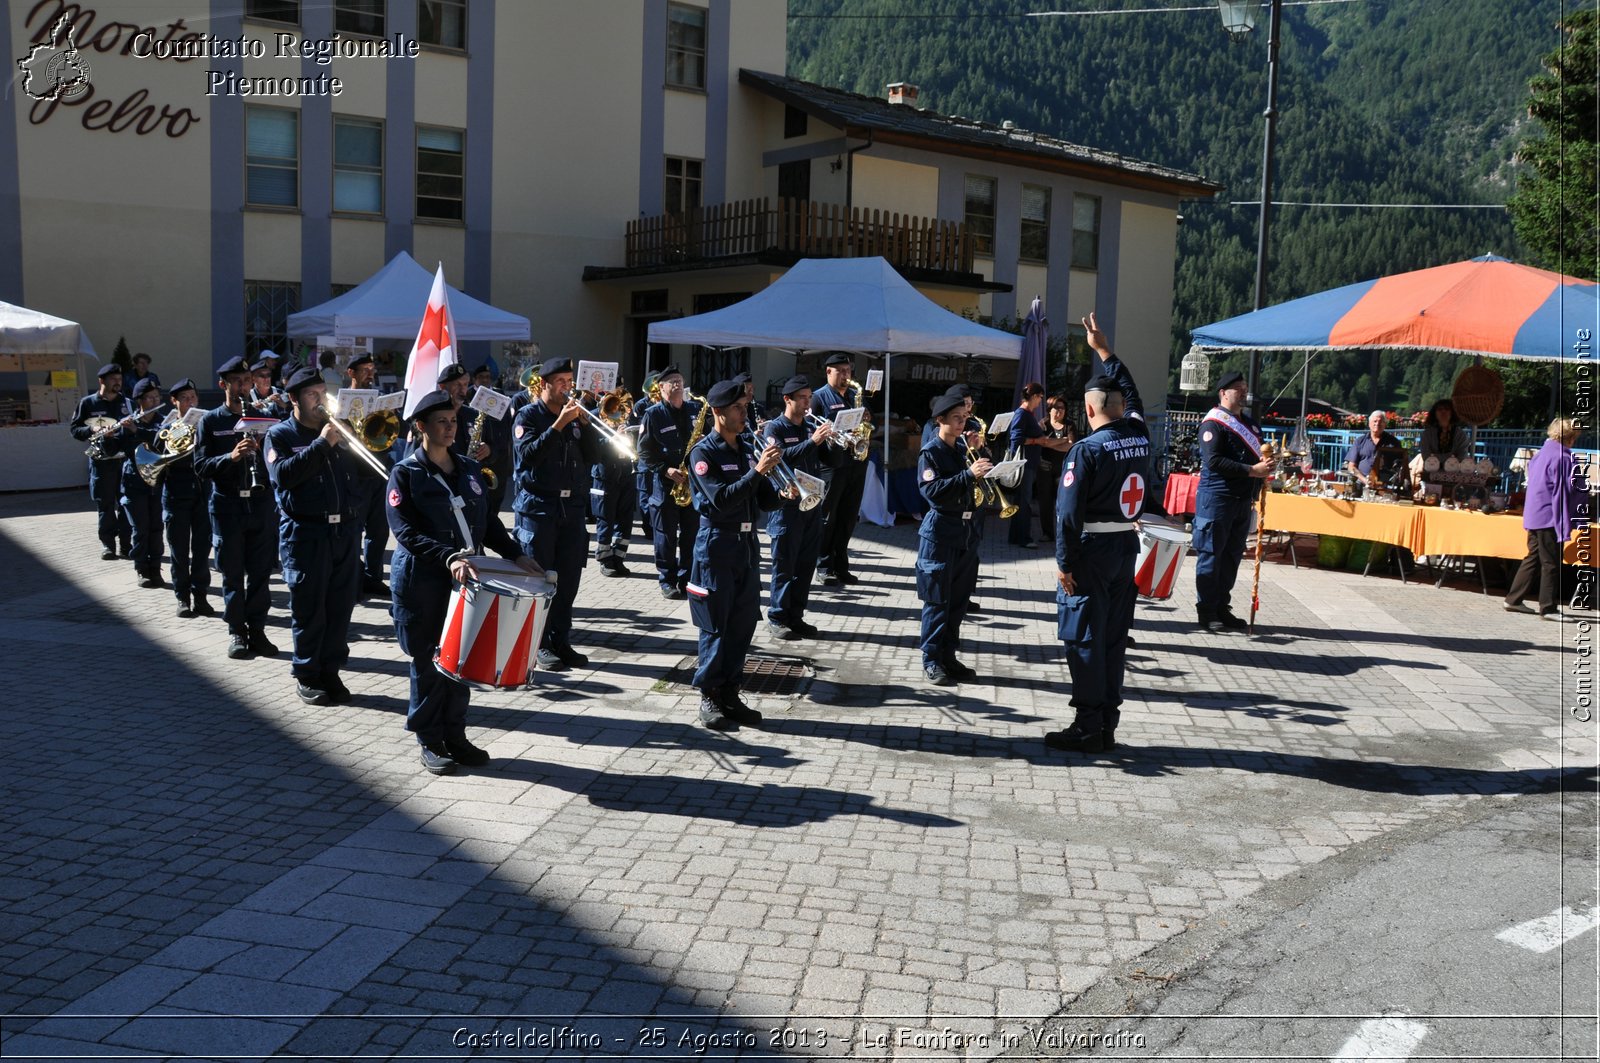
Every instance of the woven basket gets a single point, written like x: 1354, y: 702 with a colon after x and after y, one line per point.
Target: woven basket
x: 1478, y: 395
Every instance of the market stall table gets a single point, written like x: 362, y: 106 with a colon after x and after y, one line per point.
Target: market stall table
x: 1181, y: 490
x: 1379, y: 522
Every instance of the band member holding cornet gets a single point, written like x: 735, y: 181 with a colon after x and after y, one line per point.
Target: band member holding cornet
x: 663, y: 448
x: 846, y: 485
x: 184, y: 512
x: 141, y: 502
x: 731, y: 488
x: 796, y: 533
x: 555, y: 445
x: 947, y: 545
x: 105, y: 473
x: 319, y: 540
x: 368, y: 509
x: 264, y: 398
x: 243, y: 514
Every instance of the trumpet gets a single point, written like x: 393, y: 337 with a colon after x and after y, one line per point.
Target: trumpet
x: 855, y: 441
x: 358, y: 443
x: 783, y: 478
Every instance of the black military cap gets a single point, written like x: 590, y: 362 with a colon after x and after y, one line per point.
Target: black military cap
x: 724, y: 394
x: 360, y: 359
x: 433, y: 400
x: 794, y: 384
x: 302, y: 378
x: 264, y: 362
x: 453, y: 371
x: 839, y: 358
x: 1229, y: 380
x: 483, y: 368
x: 670, y: 370
x: 233, y: 365
x: 144, y: 387
x: 552, y: 366
x: 107, y: 369
x: 1101, y: 382
x: 946, y: 403
x: 959, y: 389
x: 184, y: 384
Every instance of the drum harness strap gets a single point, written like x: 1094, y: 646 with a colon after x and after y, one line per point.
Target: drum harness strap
x: 457, y: 505
x: 1106, y: 527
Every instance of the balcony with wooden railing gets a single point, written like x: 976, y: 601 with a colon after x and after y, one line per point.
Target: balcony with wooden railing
x: 797, y: 228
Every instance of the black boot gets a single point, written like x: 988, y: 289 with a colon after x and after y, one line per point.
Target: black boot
x: 185, y: 610
x: 734, y: 707
x: 1084, y: 736
x: 1108, y: 728
x: 711, y: 714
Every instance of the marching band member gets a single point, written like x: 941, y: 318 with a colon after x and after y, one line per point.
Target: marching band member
x: 1231, y: 471
x: 796, y: 534
x: 264, y: 394
x: 141, y: 371
x: 663, y: 442
x: 243, y: 516
x: 754, y: 412
x: 140, y: 501
x: 319, y: 539
x: 496, y: 438
x: 367, y: 493
x: 105, y: 477
x: 642, y: 477
x: 438, y: 511
x: 184, y: 512
x: 554, y: 447
x: 612, y: 502
x: 730, y: 488
x: 1103, y: 488
x: 842, y: 507
x: 947, y: 544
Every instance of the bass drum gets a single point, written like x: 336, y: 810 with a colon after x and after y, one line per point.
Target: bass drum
x: 493, y: 626
x: 1162, y: 549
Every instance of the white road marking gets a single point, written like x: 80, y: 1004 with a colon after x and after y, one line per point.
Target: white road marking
x: 1552, y: 931
x: 1390, y: 1038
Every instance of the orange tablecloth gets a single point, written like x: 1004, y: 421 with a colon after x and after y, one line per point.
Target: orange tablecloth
x: 1584, y: 548
x: 1181, y: 489
x: 1468, y: 534
x: 1420, y: 529
x: 1375, y: 521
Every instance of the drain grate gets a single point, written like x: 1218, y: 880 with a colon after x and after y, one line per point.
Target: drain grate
x: 765, y: 675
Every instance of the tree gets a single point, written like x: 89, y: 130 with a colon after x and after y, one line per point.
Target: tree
x: 121, y: 356
x: 1557, y: 201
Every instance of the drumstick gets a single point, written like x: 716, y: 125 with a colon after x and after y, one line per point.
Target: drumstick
x: 1261, y: 534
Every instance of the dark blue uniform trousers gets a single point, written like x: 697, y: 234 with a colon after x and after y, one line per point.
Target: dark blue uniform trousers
x: 727, y: 568
x: 1220, y: 529
x: 841, y: 511
x: 105, y: 488
x: 947, y: 576
x: 675, y: 536
x: 188, y: 523
x: 1021, y: 530
x: 321, y: 565
x: 245, y: 541
x: 612, y: 501
x: 644, y: 485
x: 1094, y: 622
x: 143, y: 510
x: 557, y: 539
x: 374, y: 524
x: 421, y: 598
x: 796, y: 539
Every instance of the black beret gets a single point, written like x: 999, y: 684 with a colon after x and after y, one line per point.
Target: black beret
x: 839, y: 358
x: 794, y: 384
x: 552, y: 366
x: 360, y: 359
x: 264, y: 362
x: 301, y: 378
x: 725, y: 393
x: 274, y: 355
x: 1229, y: 380
x: 1101, y: 382
x: 946, y: 403
x: 668, y: 371
x: 433, y: 400
x: 233, y: 365
x: 484, y: 368
x: 107, y: 369
x: 743, y: 378
x: 453, y: 371
x: 144, y: 387
x: 959, y: 389
x: 184, y: 384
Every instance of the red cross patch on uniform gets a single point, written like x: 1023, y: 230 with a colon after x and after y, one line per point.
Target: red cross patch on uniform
x: 700, y: 468
x: 272, y: 455
x: 394, y: 496
x: 521, y: 429
x: 1066, y: 481
x: 1131, y: 496
x: 475, y: 488
x: 1206, y: 436
x: 927, y: 474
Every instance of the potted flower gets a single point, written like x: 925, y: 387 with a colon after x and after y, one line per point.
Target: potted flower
x: 1319, y: 420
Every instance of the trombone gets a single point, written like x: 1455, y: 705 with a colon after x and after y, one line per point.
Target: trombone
x: 783, y: 478
x: 362, y: 440
x: 621, y: 440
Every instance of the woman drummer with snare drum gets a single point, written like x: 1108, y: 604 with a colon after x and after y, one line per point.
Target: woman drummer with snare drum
x: 438, y: 509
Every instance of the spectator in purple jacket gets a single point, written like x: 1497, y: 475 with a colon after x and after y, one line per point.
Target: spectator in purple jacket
x: 1557, y: 505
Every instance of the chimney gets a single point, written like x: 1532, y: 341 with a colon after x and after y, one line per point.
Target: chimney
x: 903, y: 93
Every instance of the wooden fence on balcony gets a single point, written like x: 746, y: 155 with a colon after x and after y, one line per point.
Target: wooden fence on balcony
x: 824, y: 230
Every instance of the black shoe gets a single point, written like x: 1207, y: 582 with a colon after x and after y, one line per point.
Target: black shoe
x: 338, y: 693
x: 149, y: 582
x: 673, y: 594
x: 958, y: 671
x: 184, y: 610
x: 261, y: 644
x: 782, y: 632
x: 1208, y: 624
x: 711, y: 715
x: 1108, y: 739
x: 572, y: 657
x: 849, y: 578
x: 437, y: 759
x: 465, y: 753
x: 828, y: 579
x: 374, y: 585
x: 1073, y: 740
x: 609, y: 569
x: 937, y: 675
x: 108, y: 554
x: 1231, y: 622
x: 125, y: 552
x: 806, y: 629
x: 1128, y: 641
x: 550, y: 662
x: 239, y: 647
x: 1029, y: 545
x: 311, y: 693
x: 202, y: 607
x: 735, y: 709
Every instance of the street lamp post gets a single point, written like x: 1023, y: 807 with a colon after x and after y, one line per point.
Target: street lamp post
x: 1239, y: 18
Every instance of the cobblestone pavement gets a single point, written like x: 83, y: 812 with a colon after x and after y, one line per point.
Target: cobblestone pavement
x: 196, y: 863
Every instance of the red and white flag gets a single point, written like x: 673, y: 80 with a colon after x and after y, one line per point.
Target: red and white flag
x: 435, y: 347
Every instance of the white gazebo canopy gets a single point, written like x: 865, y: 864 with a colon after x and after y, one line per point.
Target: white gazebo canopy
x: 391, y: 302
x: 24, y: 331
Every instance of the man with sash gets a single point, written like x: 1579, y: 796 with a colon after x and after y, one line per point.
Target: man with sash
x: 1230, y: 466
